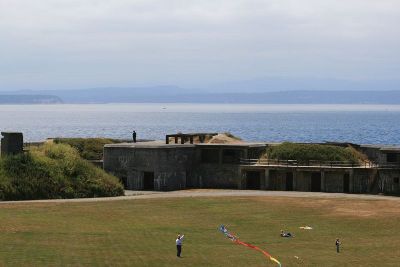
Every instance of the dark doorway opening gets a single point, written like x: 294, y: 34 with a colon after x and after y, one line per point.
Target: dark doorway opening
x: 391, y: 157
x: 273, y: 180
x: 289, y: 181
x: 231, y: 156
x: 253, y: 180
x: 209, y: 155
x: 316, y: 182
x: 346, y: 183
x: 148, y: 181
x: 124, y: 181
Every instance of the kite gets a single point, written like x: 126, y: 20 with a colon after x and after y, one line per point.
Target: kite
x: 235, y: 239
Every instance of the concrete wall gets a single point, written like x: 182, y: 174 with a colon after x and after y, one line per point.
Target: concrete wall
x: 255, y: 152
x: 216, y: 176
x: 378, y: 155
x: 373, y: 153
x: 219, y: 174
x: 359, y: 180
x: 334, y: 181
x: 262, y: 174
x: 277, y: 180
x: 396, y: 154
x: 116, y: 161
x: 302, y: 181
x: 134, y: 180
x: 169, y: 166
x: 389, y: 181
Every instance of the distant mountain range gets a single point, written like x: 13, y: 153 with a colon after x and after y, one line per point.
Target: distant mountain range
x: 279, y: 84
x: 171, y: 94
x: 29, y: 99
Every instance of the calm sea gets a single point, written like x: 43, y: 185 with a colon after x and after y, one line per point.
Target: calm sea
x: 302, y: 123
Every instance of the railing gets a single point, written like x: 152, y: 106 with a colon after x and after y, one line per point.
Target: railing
x: 389, y: 165
x: 315, y: 163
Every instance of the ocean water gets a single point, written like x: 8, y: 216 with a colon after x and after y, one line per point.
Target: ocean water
x: 365, y: 124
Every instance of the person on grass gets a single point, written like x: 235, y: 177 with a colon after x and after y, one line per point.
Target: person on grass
x: 337, y: 243
x: 178, y: 242
x: 286, y: 234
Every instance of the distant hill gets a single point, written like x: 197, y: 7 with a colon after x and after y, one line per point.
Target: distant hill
x: 171, y: 94
x: 302, y: 97
x: 115, y: 95
x: 279, y: 84
x: 29, y: 99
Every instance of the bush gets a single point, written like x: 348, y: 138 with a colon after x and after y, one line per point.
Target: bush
x: 88, y: 148
x: 54, y: 171
x: 307, y: 152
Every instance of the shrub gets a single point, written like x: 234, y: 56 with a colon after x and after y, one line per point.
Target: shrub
x: 54, y: 171
x: 306, y: 152
x: 88, y: 148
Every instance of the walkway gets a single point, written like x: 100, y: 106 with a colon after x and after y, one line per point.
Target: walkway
x: 137, y: 195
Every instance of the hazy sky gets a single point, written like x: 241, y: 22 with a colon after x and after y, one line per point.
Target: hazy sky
x: 54, y: 44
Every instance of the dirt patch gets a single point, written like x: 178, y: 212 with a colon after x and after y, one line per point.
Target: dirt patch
x: 367, y: 209
x: 343, y: 207
x: 223, y: 138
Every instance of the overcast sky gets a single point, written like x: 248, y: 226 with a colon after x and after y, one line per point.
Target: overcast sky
x: 58, y: 44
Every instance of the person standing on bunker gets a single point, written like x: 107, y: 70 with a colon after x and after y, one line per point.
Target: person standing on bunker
x: 178, y: 242
x: 337, y: 243
x: 134, y: 136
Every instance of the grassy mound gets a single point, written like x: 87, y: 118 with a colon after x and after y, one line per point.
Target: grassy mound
x: 307, y: 152
x: 88, y: 148
x: 54, y: 171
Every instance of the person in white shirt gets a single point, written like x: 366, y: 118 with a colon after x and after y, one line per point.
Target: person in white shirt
x: 178, y: 242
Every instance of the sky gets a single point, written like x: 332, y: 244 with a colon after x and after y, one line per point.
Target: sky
x: 70, y: 44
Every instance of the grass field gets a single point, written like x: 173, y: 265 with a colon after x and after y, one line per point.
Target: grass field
x: 143, y: 232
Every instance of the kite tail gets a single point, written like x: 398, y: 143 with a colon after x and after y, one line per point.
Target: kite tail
x: 275, y: 260
x: 237, y: 241
x: 260, y: 250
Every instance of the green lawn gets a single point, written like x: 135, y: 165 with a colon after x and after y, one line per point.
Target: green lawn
x: 143, y: 232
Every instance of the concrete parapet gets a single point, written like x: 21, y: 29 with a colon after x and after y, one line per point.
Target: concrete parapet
x: 12, y: 143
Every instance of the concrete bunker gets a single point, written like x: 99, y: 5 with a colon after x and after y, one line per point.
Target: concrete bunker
x: 163, y: 166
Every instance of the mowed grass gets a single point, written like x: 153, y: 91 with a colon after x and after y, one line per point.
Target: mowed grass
x: 143, y: 232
